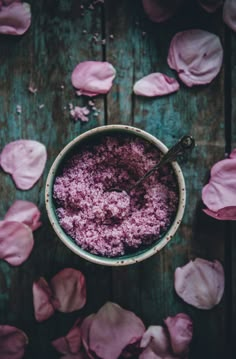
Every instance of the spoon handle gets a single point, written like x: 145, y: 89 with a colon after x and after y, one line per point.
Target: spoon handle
x: 184, y: 144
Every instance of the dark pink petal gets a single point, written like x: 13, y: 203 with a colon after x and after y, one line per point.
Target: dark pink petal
x: 12, y: 342
x: 210, y: 5
x: 91, y: 78
x: 42, y: 299
x: 15, y: 19
x: 195, y: 67
x: 69, y: 290
x: 25, y: 212
x: 25, y: 161
x: 16, y: 242
x: 155, y: 84
x: 112, y: 329
x: 161, y: 10
x: 180, y: 328
x: 229, y: 13
x: 71, y: 343
x: 226, y: 213
x: 156, y: 344
x: 200, y: 283
x: 220, y: 192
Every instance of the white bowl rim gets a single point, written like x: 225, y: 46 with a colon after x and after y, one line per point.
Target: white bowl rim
x: 105, y: 260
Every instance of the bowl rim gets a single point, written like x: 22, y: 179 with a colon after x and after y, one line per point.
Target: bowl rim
x: 75, y: 247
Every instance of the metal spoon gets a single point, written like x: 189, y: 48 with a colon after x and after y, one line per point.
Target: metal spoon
x: 184, y: 144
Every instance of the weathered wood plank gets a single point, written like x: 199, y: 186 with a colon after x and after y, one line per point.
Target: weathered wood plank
x: 45, y: 57
x: 198, y: 111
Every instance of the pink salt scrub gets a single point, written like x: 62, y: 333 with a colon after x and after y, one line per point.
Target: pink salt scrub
x: 111, y: 223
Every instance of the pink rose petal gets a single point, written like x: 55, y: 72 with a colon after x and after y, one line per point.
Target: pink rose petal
x: 12, y: 342
x: 16, y: 242
x: 85, y: 330
x: 229, y: 14
x: 71, y: 343
x: 220, y: 192
x: 180, y: 328
x: 161, y: 10
x: 226, y: 213
x: 25, y: 212
x: 200, y: 283
x: 42, y: 299
x: 25, y: 161
x: 15, y: 18
x: 93, y: 77
x: 195, y: 67
x: 155, y: 84
x: 112, y: 330
x: 156, y: 344
x: 69, y: 290
x: 210, y: 5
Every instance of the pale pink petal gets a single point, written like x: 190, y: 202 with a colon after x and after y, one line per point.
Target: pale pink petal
x: 25, y: 161
x: 180, y: 328
x: 226, y: 213
x: 155, y: 84
x: 156, y: 344
x: 69, y: 290
x: 161, y: 10
x: 229, y: 13
x: 85, y: 332
x: 112, y: 329
x: 16, y: 242
x: 8, y: 2
x: 93, y: 77
x: 210, y: 5
x: 15, y: 19
x: 196, y: 55
x: 42, y: 299
x: 25, y: 212
x: 71, y: 343
x: 200, y: 283
x: 220, y: 192
x: 13, y: 342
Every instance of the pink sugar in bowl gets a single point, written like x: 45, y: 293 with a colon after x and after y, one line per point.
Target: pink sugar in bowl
x: 108, y: 227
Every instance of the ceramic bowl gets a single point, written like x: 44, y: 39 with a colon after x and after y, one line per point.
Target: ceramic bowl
x: 139, y: 255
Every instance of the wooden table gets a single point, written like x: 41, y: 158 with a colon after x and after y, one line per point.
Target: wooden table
x: 62, y: 34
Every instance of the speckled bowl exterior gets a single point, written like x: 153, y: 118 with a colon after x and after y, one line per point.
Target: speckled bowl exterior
x: 126, y: 259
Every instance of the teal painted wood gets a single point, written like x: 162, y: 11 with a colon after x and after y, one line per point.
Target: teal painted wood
x: 59, y: 38
x: 198, y: 111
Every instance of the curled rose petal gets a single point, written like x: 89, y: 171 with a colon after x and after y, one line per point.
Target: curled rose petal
x: 210, y: 5
x: 91, y: 78
x: 180, y: 328
x: 195, y: 67
x: 156, y: 344
x: 71, y: 343
x: 223, y: 214
x: 220, y: 192
x: 229, y: 14
x: 200, y: 283
x: 15, y: 18
x: 161, y: 10
x: 25, y: 161
x: 16, y: 242
x: 155, y: 84
x: 112, y: 330
x: 13, y: 342
x: 42, y: 299
x: 25, y: 212
x: 85, y: 329
x: 69, y: 290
